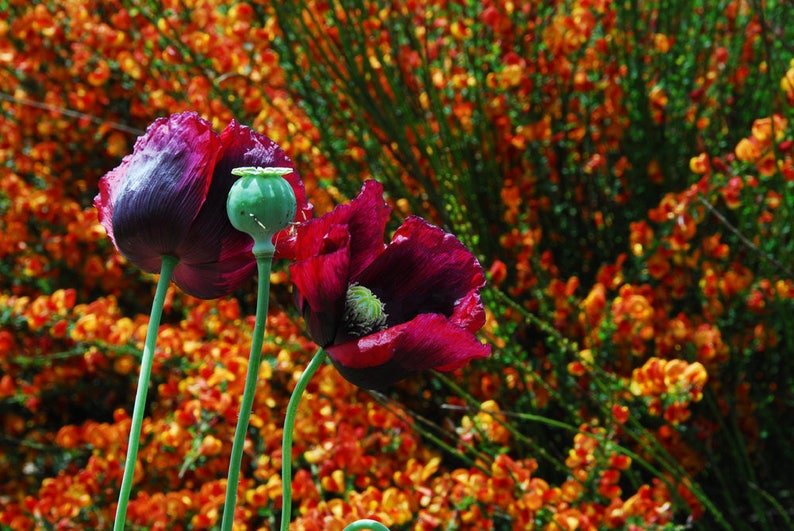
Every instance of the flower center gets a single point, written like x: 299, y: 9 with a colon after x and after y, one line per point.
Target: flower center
x: 364, y: 312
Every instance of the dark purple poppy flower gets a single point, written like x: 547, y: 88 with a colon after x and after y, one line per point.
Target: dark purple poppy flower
x: 169, y: 198
x: 383, y: 312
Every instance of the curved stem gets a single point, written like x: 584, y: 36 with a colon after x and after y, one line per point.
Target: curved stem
x: 166, y: 271
x: 264, y: 262
x: 289, y: 426
x: 366, y: 524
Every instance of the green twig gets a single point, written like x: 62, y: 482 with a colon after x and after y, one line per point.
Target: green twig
x: 71, y: 113
x: 744, y: 239
x: 415, y: 420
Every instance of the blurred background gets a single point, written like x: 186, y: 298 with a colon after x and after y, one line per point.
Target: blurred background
x: 623, y: 171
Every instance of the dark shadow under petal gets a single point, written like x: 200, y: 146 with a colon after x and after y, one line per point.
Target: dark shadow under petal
x: 373, y: 378
x: 216, y: 279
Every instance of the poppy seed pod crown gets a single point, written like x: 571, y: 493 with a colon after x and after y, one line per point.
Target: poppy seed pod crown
x: 261, y: 203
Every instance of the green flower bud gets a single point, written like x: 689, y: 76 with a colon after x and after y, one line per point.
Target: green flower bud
x: 261, y: 203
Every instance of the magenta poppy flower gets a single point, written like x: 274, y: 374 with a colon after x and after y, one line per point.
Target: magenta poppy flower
x: 383, y: 312
x: 169, y: 198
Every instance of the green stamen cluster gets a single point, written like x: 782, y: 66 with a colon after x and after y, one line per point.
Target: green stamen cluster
x: 364, y: 311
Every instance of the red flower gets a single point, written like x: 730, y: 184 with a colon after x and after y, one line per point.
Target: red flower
x: 383, y: 312
x: 169, y: 198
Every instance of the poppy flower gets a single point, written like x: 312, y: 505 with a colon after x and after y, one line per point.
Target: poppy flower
x: 382, y: 312
x: 169, y: 198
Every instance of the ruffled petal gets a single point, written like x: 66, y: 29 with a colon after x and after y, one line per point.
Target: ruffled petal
x: 364, y: 217
x: 109, y: 188
x: 469, y: 312
x: 212, y: 238
x: 214, y: 251
x: 164, y: 186
x: 423, y: 270
x: 321, y: 282
x: 429, y: 341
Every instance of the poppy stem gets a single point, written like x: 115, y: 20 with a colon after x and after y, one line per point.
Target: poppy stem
x: 289, y: 426
x: 264, y: 261
x: 166, y: 271
x: 286, y: 450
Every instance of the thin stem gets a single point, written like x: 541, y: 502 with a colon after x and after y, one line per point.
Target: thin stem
x: 744, y: 239
x: 72, y: 114
x: 166, y: 271
x: 436, y: 439
x: 289, y: 426
x: 264, y: 263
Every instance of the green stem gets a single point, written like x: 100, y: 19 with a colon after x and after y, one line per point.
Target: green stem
x: 264, y: 262
x: 166, y: 271
x: 289, y: 426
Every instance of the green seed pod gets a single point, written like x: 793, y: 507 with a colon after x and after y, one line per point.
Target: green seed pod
x: 261, y: 203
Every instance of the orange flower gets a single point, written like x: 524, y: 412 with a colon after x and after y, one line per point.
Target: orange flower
x: 748, y: 150
x: 662, y: 42
x: 787, y: 83
x: 640, y: 237
x: 708, y: 341
x: 672, y: 382
x: 633, y: 316
x: 731, y: 192
x: 659, y: 264
x: 593, y: 306
x: 764, y: 129
x: 700, y: 164
x: 488, y: 423
x: 620, y: 414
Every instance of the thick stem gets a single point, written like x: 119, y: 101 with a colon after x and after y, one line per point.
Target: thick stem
x: 289, y: 426
x: 264, y: 262
x: 166, y: 271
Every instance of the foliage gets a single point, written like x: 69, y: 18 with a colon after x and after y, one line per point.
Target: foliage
x: 623, y: 169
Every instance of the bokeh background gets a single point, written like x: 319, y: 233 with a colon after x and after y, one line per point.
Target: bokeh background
x: 624, y: 170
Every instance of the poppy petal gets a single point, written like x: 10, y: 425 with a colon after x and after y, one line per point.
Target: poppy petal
x: 109, y: 187
x: 469, y: 312
x: 321, y: 284
x: 364, y: 217
x: 214, y: 279
x: 211, y: 232
x: 429, y: 341
x: 214, y: 252
x: 164, y: 185
x: 423, y: 270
